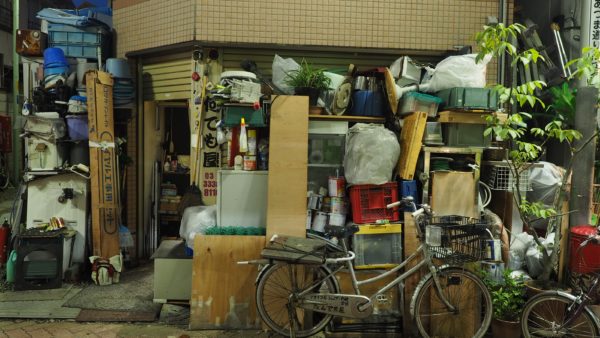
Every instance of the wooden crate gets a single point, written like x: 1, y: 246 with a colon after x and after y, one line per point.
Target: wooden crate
x: 222, y: 289
x: 411, y: 139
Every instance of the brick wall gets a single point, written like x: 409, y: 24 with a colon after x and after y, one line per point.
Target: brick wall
x: 406, y: 24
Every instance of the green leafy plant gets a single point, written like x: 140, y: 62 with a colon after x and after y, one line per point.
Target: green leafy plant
x: 527, y: 145
x: 308, y: 76
x: 563, y: 103
x: 508, y: 295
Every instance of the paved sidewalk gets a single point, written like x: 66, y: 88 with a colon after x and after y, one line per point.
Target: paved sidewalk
x: 72, y: 329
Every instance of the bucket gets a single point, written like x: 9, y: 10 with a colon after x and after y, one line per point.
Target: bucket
x: 119, y: 68
x: 56, y: 70
x: 54, y: 56
x: 78, y: 127
x: 80, y: 153
x: 82, y: 67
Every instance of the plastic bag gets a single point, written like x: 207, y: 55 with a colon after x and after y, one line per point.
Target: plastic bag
x: 459, y: 71
x: 545, y: 181
x: 196, y: 220
x: 281, y: 67
x: 372, y: 152
x: 519, y: 245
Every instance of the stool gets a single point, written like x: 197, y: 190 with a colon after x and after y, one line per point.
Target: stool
x: 44, y: 273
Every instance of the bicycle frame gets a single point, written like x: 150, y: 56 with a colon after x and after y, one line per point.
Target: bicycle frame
x: 425, y: 260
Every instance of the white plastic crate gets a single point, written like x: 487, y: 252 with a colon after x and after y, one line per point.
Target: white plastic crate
x: 500, y: 177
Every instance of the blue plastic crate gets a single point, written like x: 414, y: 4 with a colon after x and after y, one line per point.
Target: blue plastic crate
x: 81, y: 51
x: 79, y: 41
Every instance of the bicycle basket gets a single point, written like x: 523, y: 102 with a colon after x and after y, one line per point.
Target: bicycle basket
x: 455, y: 239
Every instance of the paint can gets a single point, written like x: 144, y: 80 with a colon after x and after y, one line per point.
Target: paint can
x: 319, y: 222
x: 314, y: 202
x: 337, y: 186
x: 309, y: 214
x: 338, y: 205
x: 338, y: 220
x: 249, y: 163
x: 326, y: 205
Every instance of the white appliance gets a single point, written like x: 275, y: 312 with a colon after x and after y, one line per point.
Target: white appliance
x: 326, y: 144
x: 242, y: 198
x: 47, y: 197
x: 43, y: 152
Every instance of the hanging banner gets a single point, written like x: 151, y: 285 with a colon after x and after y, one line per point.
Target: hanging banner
x: 594, y: 24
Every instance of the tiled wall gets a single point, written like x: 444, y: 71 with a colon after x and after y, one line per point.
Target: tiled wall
x: 152, y: 23
x: 399, y: 24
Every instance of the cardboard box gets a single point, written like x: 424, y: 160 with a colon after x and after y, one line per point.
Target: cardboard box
x: 103, y: 167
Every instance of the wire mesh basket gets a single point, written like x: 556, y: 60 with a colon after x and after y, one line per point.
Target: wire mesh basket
x: 499, y: 176
x: 455, y: 240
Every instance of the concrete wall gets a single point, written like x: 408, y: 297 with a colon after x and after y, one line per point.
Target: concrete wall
x: 408, y: 24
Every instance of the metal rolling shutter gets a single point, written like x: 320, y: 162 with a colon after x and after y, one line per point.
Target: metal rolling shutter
x: 167, y: 78
x: 336, y: 62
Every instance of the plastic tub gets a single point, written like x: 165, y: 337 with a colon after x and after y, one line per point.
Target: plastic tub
x: 56, y: 70
x: 119, y: 68
x: 78, y: 127
x: 369, y: 202
x: 419, y: 102
x: 54, y: 55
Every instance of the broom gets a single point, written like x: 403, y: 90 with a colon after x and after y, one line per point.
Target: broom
x: 193, y: 195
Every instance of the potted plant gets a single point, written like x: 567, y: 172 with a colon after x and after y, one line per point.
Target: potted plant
x: 508, y: 299
x: 527, y: 145
x: 308, y: 81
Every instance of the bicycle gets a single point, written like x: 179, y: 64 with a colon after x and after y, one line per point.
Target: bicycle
x: 297, y: 293
x: 562, y: 314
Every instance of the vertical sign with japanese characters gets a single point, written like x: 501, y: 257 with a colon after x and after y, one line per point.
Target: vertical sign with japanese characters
x: 595, y: 24
x: 210, y: 158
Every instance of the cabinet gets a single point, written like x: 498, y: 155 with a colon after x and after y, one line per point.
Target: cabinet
x: 242, y: 198
x: 326, y: 146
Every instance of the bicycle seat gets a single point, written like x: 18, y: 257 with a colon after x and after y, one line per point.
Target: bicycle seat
x: 342, y: 232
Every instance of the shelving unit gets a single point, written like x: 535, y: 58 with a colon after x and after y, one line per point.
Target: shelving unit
x: 347, y: 118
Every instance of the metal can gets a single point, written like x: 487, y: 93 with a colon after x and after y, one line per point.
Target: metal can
x: 249, y: 163
x: 338, y: 205
x: 319, y: 222
x: 337, y: 186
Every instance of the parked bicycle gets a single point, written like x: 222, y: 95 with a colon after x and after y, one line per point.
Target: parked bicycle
x: 297, y: 293
x: 562, y: 314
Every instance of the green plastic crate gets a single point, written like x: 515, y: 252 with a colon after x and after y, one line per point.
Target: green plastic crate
x: 465, y: 135
x: 469, y: 99
x: 232, y: 116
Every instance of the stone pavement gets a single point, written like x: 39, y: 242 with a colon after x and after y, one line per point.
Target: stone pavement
x: 72, y: 329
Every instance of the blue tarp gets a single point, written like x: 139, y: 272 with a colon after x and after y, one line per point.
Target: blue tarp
x: 82, y: 17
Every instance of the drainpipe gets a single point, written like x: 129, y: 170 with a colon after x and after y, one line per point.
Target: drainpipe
x: 16, y: 140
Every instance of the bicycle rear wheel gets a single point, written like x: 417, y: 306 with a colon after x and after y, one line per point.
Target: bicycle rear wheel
x: 463, y: 290
x: 274, y: 298
x: 546, y: 314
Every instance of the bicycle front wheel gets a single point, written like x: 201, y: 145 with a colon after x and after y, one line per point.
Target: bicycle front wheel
x: 275, y: 298
x: 547, y: 315
x: 468, y: 295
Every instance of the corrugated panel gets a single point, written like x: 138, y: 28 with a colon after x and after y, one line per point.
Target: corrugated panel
x: 336, y: 62
x: 167, y: 80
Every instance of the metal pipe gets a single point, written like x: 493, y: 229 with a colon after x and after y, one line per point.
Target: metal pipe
x: 17, y: 153
x: 581, y: 182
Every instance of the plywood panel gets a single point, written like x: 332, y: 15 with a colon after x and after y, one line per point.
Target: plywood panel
x: 411, y: 139
x: 453, y: 193
x: 288, y: 157
x: 218, y: 281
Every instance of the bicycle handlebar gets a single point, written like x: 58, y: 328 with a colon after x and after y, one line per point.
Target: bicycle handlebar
x: 343, y: 259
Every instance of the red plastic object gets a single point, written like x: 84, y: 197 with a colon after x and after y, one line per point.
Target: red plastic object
x: 369, y: 202
x: 5, y: 134
x: 4, y: 235
x: 587, y: 259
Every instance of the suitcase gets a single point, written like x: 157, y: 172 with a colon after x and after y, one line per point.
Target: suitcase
x: 460, y: 98
x: 31, y: 42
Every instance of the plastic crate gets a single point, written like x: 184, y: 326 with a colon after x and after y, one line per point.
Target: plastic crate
x: 369, y: 202
x: 232, y: 116
x: 587, y: 259
x: 469, y: 99
x: 465, y: 135
x: 413, y: 102
x: 500, y: 177
x: 377, y: 246
x: 80, y: 42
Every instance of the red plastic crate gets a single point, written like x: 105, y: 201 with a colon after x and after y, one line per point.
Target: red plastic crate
x: 587, y: 259
x: 369, y: 202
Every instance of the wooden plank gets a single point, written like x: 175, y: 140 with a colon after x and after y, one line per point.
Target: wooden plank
x: 411, y: 138
x: 288, y: 158
x: 465, y: 117
x: 103, y: 168
x: 217, y: 279
x: 453, y: 193
x: 347, y: 118
x: 411, y: 244
x: 87, y: 315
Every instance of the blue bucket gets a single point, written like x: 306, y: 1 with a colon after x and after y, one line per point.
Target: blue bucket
x: 78, y: 127
x: 367, y: 103
x: 54, y: 56
x: 56, y: 70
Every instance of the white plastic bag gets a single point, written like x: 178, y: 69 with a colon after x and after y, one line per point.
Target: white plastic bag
x: 545, y: 181
x: 372, y: 152
x: 196, y: 220
x: 281, y: 67
x: 459, y: 71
